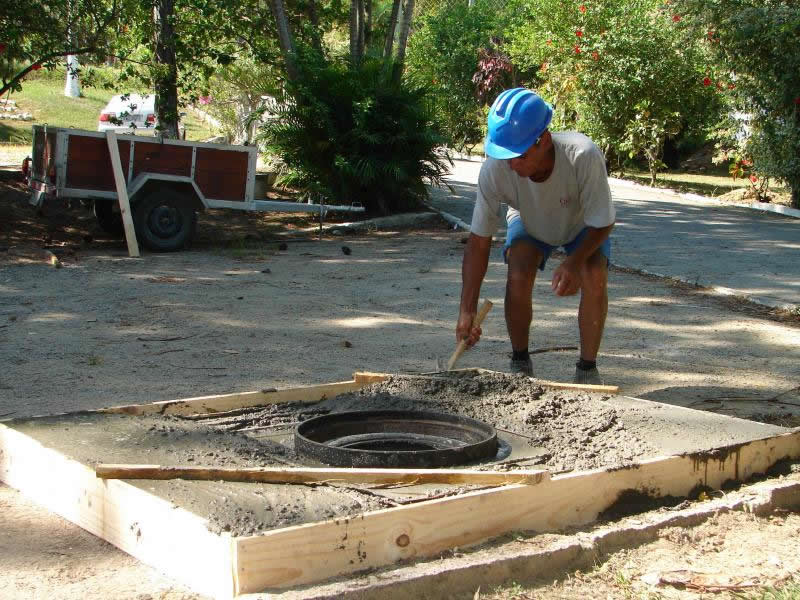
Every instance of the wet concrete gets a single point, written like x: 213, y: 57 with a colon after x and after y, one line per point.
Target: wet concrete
x: 560, y: 430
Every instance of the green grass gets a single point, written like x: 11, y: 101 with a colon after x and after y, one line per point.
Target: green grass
x: 715, y: 181
x: 43, y: 97
x: 790, y: 591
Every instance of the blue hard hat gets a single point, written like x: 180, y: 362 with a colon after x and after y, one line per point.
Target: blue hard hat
x: 516, y: 120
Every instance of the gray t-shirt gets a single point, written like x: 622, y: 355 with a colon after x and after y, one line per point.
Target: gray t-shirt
x: 576, y: 194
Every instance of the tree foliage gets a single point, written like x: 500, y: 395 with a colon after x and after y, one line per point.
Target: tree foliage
x: 443, y: 53
x: 37, y: 33
x: 755, y: 46
x: 620, y: 71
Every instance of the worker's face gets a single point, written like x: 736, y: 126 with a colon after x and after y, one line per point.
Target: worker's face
x: 531, y: 162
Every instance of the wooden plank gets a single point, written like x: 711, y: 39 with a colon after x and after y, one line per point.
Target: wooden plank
x: 173, y: 540
x: 368, y: 377
x: 222, y: 174
x: 322, y: 475
x: 226, y: 402
x: 162, y: 156
x: 313, y: 552
x: 122, y: 194
x: 585, y: 387
x: 89, y: 164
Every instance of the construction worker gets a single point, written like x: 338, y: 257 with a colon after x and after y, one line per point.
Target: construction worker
x: 556, y: 189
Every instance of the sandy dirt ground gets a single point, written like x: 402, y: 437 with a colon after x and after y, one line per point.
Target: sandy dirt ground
x: 260, y: 303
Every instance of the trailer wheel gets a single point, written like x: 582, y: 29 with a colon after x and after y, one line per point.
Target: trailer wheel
x: 165, y: 221
x: 109, y: 221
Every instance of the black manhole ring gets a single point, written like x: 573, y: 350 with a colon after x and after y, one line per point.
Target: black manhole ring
x: 395, y: 439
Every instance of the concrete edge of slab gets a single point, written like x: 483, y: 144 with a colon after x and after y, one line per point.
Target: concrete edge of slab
x: 462, y: 574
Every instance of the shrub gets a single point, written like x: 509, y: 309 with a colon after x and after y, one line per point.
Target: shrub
x: 356, y: 135
x: 756, y: 49
x: 619, y: 71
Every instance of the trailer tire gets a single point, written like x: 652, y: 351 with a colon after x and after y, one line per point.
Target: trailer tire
x: 165, y: 221
x: 109, y: 221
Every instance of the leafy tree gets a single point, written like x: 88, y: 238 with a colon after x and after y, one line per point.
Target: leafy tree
x: 37, y: 33
x: 620, y: 71
x: 444, y: 54
x: 756, y: 47
x: 237, y: 101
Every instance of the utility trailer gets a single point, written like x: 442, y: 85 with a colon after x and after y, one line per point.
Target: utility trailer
x: 167, y: 181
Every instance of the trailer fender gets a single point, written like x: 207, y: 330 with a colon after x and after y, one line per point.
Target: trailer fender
x: 146, y: 183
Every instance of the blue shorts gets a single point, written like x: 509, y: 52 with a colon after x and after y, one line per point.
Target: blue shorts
x: 517, y: 233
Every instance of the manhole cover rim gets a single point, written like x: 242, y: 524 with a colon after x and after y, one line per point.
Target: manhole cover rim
x: 485, y: 448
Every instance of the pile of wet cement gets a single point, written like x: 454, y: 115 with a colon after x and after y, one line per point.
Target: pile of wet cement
x: 576, y: 430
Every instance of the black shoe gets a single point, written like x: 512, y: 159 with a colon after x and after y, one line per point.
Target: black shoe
x: 523, y: 365
x: 590, y: 376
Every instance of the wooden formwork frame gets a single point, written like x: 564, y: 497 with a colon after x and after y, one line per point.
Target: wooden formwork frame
x: 179, y: 544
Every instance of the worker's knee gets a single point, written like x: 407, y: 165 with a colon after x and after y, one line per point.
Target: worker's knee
x: 594, y: 276
x: 520, y: 281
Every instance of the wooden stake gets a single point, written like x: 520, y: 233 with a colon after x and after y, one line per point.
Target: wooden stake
x: 122, y: 194
x: 326, y: 475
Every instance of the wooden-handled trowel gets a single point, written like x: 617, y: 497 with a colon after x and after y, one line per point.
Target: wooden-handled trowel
x: 462, y: 345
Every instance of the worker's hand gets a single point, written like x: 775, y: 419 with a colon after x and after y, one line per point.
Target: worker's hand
x: 465, y: 330
x: 566, y: 279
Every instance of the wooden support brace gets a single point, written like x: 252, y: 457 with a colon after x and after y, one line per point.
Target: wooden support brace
x: 324, y: 475
x: 122, y: 194
x: 367, y: 377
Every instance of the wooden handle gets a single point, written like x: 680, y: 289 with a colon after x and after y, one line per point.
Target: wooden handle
x: 462, y: 345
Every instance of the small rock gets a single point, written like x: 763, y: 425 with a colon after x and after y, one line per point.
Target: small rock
x: 346, y: 250
x: 347, y: 344
x: 283, y: 246
x: 268, y: 271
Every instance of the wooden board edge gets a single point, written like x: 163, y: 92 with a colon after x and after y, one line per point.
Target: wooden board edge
x: 122, y: 194
x: 298, y: 475
x: 168, y: 538
x: 586, y: 387
x: 367, y: 377
x: 315, y: 552
x: 228, y: 402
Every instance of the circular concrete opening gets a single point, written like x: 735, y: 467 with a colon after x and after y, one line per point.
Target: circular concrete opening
x: 391, y: 438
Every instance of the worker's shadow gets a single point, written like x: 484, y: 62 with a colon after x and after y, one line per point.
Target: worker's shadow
x: 778, y: 407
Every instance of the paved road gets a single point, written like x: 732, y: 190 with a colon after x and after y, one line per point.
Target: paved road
x: 739, y: 251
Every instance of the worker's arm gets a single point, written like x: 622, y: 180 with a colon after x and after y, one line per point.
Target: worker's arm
x: 473, y: 270
x: 566, y: 277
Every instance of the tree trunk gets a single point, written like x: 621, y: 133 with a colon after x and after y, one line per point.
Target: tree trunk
x: 387, y: 47
x: 354, y: 31
x: 72, y: 87
x: 795, y: 187
x: 284, y: 38
x: 166, y: 84
x: 367, y: 23
x: 362, y: 27
x: 408, y: 15
x: 313, y: 16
